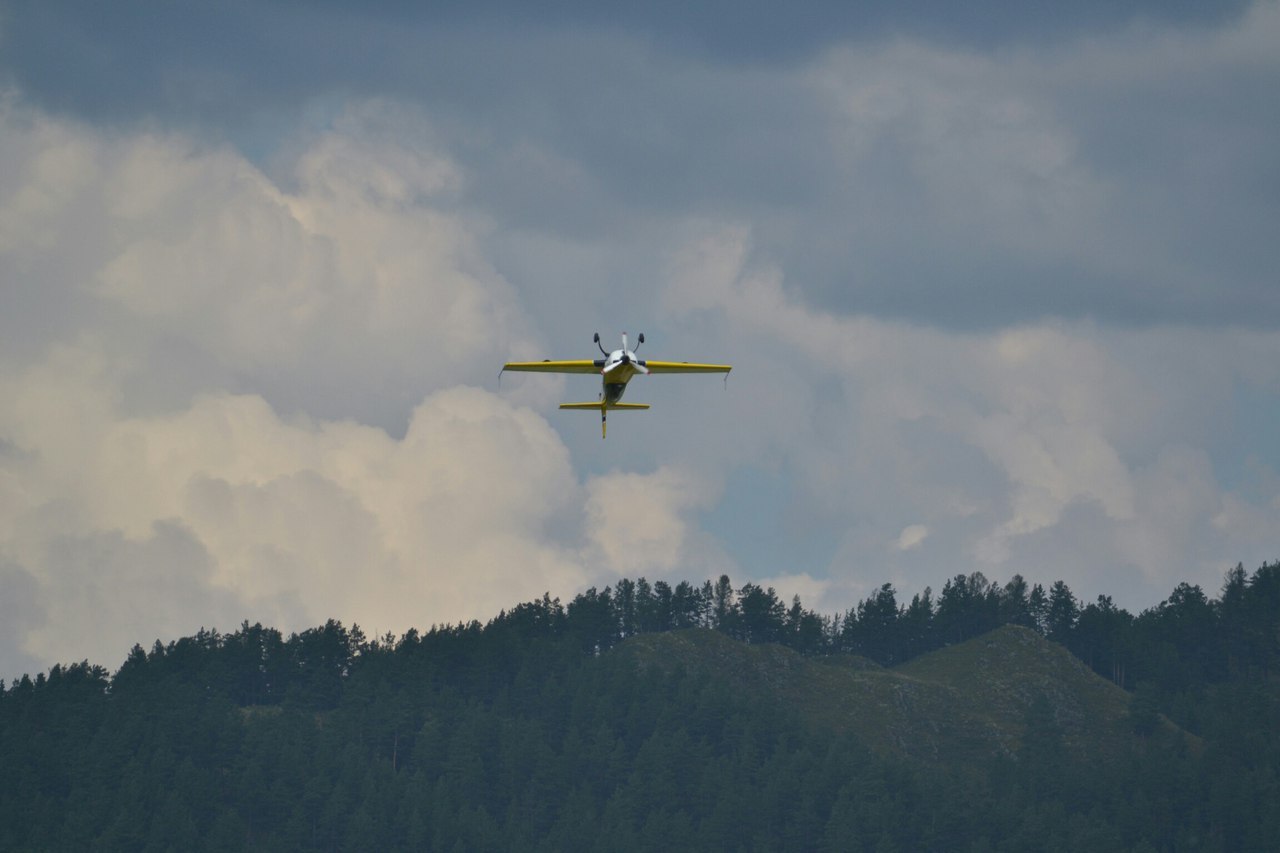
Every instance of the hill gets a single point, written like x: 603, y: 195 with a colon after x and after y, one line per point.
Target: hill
x: 653, y: 717
x: 972, y: 701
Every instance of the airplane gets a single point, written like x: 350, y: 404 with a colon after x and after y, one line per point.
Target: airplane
x: 616, y: 369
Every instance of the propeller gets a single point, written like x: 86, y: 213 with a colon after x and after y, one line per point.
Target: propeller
x: 627, y: 353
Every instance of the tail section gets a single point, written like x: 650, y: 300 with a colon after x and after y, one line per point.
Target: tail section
x: 595, y: 407
x: 604, y: 408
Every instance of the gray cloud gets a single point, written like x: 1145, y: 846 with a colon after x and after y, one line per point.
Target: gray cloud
x: 995, y: 302
x: 931, y: 452
x: 21, y: 610
x: 135, y: 56
x: 1123, y: 179
x: 102, y: 591
x: 1108, y: 161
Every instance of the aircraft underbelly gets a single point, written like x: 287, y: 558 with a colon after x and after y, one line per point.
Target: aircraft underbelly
x: 613, y: 391
x: 615, y: 381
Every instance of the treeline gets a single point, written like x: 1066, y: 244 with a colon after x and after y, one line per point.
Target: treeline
x: 541, y: 749
x: 525, y: 733
x: 1189, y: 638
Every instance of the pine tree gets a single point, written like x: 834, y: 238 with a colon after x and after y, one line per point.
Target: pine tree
x: 1061, y: 614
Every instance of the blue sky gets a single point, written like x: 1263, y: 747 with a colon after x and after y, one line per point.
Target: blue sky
x: 1000, y: 289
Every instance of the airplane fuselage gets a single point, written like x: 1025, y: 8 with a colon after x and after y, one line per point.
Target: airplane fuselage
x: 616, y: 371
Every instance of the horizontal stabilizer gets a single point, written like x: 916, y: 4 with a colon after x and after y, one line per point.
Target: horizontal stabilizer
x: 613, y: 407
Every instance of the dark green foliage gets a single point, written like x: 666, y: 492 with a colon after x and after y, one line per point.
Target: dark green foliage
x: 1061, y: 614
x: 537, y: 732
x: 1144, y: 710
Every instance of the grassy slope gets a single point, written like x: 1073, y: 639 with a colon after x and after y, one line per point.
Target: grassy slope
x: 960, y: 703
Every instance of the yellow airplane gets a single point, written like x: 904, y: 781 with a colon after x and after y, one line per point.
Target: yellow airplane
x: 616, y: 370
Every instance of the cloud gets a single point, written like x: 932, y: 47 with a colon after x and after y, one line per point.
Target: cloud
x: 987, y: 188
x: 198, y: 442
x: 253, y: 58
x: 354, y: 293
x: 974, y: 450
x: 911, y: 536
x: 1001, y: 305
x: 644, y: 524
x: 20, y: 612
x: 100, y: 590
x: 1108, y: 163
x: 143, y: 495
x: 137, y: 527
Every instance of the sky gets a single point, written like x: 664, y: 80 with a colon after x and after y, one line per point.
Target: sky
x: 1000, y: 285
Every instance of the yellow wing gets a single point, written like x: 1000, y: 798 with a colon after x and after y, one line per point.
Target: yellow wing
x: 685, y: 367
x: 579, y: 366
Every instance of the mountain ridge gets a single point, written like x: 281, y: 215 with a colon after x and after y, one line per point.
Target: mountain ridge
x: 552, y: 728
x: 965, y: 702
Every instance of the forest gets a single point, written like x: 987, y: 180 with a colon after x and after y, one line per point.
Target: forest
x: 647, y: 716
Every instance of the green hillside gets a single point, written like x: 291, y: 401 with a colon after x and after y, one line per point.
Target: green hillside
x: 651, y: 717
x: 959, y: 704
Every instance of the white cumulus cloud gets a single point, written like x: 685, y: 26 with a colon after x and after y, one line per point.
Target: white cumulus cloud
x: 187, y: 444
